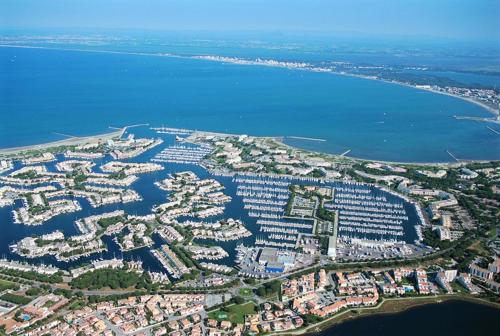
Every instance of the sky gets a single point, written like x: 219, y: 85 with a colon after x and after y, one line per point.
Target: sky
x: 455, y: 19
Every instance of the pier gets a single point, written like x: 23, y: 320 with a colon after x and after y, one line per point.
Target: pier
x: 453, y: 156
x: 493, y: 130
x: 304, y: 138
x: 492, y: 120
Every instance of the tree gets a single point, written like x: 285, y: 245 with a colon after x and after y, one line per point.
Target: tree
x: 238, y: 300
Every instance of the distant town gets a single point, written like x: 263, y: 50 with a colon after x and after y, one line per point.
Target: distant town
x: 486, y: 97
x: 169, y: 231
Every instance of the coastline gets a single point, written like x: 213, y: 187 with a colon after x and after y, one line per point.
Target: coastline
x: 451, y: 163
x: 73, y: 141
x: 444, y: 164
x: 279, y: 139
x: 386, y: 307
x: 489, y: 109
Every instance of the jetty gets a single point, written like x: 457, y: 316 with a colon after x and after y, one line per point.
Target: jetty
x: 495, y: 120
x: 72, y: 141
x: 493, y: 130
x: 453, y: 156
x: 345, y: 153
x: 304, y: 138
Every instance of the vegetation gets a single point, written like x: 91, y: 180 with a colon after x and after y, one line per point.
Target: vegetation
x: 250, y: 281
x: 317, y: 173
x: 246, y: 292
x: 33, y: 291
x: 79, y: 178
x: 311, y: 319
x: 31, y: 174
x: 77, y: 304
x: 291, y: 199
x: 269, y: 289
x: 115, y: 297
x: 16, y: 299
x: 68, y: 294
x: 105, y: 222
x: 112, y: 278
x: 4, y: 285
x: 184, y: 256
x: 324, y: 214
x: 431, y: 238
x: 234, y: 313
x: 55, y: 278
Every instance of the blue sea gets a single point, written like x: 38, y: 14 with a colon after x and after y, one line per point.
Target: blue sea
x: 46, y: 93
x: 458, y: 318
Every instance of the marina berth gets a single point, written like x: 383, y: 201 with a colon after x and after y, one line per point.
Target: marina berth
x: 159, y: 277
x: 185, y: 154
x: 26, y: 267
x: 174, y: 131
x: 69, y: 166
x: 191, y: 196
x: 216, y: 267
x: 223, y: 230
x: 96, y: 265
x: 41, y: 210
x: 9, y: 194
x: 170, y: 234
x: 83, y: 155
x: 43, y: 158
x: 207, y: 253
x: 130, y: 168
x: 169, y: 260
x: 107, y: 180
x: 371, y: 185
x: 288, y: 222
x: 27, y: 176
x: 131, y: 147
x: 285, y: 224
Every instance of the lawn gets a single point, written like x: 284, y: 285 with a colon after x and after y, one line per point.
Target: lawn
x: 458, y: 287
x: 234, y: 313
x: 492, y: 233
x: 245, y: 292
x: 16, y: 299
x: 479, y: 247
x: 4, y: 285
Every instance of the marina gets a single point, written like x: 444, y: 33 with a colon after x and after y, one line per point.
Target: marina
x: 283, y: 180
x: 182, y: 154
x: 245, y: 207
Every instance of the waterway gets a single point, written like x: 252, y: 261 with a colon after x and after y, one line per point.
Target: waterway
x: 152, y: 196
x: 449, y: 318
x: 43, y: 92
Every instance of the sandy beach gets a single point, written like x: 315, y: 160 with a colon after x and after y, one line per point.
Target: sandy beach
x: 72, y: 141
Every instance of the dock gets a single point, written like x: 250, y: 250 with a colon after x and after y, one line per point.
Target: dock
x: 453, y: 156
x: 493, y: 130
x: 493, y: 120
x: 304, y: 138
x: 345, y: 153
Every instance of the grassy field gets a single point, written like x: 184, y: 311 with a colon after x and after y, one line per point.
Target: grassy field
x: 245, y: 292
x: 233, y: 313
x: 17, y: 299
x: 492, y: 233
x: 479, y: 247
x: 4, y: 285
